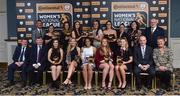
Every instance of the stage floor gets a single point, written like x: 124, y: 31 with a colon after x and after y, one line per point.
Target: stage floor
x: 76, y: 90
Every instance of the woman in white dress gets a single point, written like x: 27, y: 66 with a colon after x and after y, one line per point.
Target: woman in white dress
x: 87, y: 56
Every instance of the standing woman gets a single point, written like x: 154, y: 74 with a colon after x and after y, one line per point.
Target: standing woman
x: 87, y: 54
x: 134, y: 33
x: 76, y: 33
x: 49, y: 36
x: 103, y: 60
x: 97, y: 34
x: 72, y: 59
x: 111, y: 35
x: 55, y: 57
x: 67, y: 34
x: 124, y: 55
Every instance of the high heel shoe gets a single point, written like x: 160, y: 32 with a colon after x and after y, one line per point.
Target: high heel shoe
x: 119, y: 86
x: 103, y: 85
x: 66, y: 82
x: 124, y: 85
x: 109, y: 85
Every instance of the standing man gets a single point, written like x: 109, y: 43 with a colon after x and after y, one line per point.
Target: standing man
x: 21, y: 58
x: 143, y: 62
x: 39, y: 31
x: 153, y: 32
x: 38, y: 61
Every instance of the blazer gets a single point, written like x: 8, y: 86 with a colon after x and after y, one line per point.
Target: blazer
x: 138, y: 58
x: 36, y: 34
x: 152, y: 39
x: 17, y: 53
x: 42, y: 55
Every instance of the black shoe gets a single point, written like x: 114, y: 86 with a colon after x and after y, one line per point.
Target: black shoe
x: 11, y: 83
x: 149, y: 87
x: 160, y: 92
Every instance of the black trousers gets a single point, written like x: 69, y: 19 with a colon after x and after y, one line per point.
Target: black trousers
x: 35, y: 77
x: 13, y: 67
x: 150, y: 71
x: 165, y: 78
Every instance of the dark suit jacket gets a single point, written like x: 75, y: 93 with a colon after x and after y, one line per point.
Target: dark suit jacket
x: 17, y: 53
x: 42, y: 55
x: 35, y: 34
x: 148, y: 58
x: 152, y: 40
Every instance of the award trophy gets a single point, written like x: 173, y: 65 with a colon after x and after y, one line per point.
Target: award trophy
x: 119, y: 60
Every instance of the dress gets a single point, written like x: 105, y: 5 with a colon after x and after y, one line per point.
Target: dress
x: 55, y: 56
x: 125, y: 54
x: 87, y: 52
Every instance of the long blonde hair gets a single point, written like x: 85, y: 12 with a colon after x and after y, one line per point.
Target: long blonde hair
x: 70, y: 46
x: 107, y: 51
x: 126, y: 45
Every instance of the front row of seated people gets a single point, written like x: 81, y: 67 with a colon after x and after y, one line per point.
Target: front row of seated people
x: 141, y: 58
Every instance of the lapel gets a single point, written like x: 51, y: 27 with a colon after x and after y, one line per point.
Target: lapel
x: 140, y: 51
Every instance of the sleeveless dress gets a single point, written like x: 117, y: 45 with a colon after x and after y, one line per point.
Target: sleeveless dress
x: 87, y: 52
x: 55, y: 56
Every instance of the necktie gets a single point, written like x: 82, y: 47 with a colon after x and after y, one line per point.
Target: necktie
x: 21, y: 55
x: 38, y: 51
x: 143, y: 51
x: 40, y: 32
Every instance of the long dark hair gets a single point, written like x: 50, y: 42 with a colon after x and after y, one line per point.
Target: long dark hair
x: 68, y: 24
x: 98, y: 26
x: 74, y: 28
x: 109, y: 22
x: 137, y: 27
x: 58, y: 44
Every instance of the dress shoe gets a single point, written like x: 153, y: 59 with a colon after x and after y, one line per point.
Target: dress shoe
x: 11, y: 83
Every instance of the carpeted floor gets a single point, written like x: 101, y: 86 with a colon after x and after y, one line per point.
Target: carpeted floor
x: 77, y: 90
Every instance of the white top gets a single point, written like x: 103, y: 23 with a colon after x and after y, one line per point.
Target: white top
x: 86, y: 52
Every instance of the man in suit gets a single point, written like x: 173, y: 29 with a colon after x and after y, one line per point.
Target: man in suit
x: 38, y: 32
x: 21, y: 58
x: 38, y: 61
x: 143, y: 62
x: 153, y: 32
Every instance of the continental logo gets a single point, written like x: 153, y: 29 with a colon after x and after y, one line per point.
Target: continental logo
x: 95, y: 3
x: 29, y: 10
x: 28, y: 35
x: 95, y: 15
x: 103, y: 9
x: 154, y: 8
x: 85, y: 3
x: 129, y: 6
x: 163, y: 2
x: 162, y: 15
x: 20, y: 4
x: 53, y: 8
x: 164, y: 27
x: 21, y: 29
x: 86, y: 16
x: 86, y: 28
x: 77, y: 9
x: 103, y: 21
x: 21, y: 17
x: 29, y: 23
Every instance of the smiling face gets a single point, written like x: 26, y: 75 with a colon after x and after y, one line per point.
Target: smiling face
x: 66, y: 26
x: 108, y: 25
x: 39, y: 24
x: 121, y: 28
x: 87, y: 42
x: 161, y: 43
x: 153, y: 23
x: 104, y: 43
x: 51, y: 29
x: 73, y: 42
x: 134, y: 25
x: 55, y: 43
x: 95, y: 25
x: 142, y: 40
x: 39, y: 41
x: 77, y: 25
x: 24, y: 42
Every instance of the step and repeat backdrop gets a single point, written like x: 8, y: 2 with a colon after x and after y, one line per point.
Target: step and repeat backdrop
x: 57, y: 12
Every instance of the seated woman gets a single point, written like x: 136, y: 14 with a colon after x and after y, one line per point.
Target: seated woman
x: 111, y: 35
x: 72, y: 59
x: 55, y: 57
x: 123, y: 58
x: 163, y: 58
x: 87, y: 56
x: 103, y: 60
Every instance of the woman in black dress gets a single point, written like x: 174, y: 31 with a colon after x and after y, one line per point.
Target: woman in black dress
x: 67, y: 31
x: 72, y: 59
x: 77, y: 33
x: 55, y: 57
x: 49, y: 36
x: 123, y: 59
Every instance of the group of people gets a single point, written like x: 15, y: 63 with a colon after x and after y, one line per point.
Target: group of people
x: 108, y: 50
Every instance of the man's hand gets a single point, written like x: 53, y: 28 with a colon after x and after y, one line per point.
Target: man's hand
x: 162, y: 68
